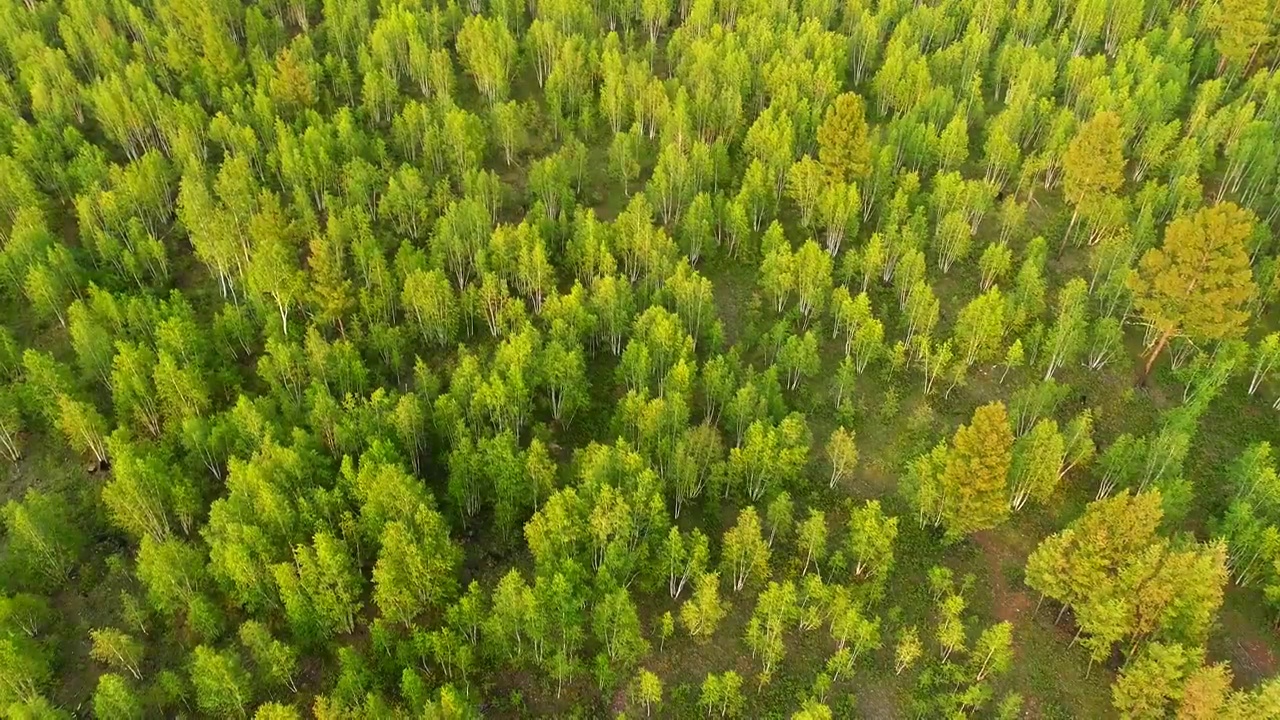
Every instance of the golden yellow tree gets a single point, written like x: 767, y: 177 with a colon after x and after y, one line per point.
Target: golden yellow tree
x: 1198, y: 281
x: 843, y: 147
x: 1093, y: 165
x: 1242, y: 30
x: 977, y: 473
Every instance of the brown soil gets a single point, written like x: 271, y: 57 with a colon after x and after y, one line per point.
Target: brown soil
x: 1009, y: 604
x: 1257, y: 656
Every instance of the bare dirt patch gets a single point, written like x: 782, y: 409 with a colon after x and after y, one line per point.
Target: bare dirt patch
x: 1008, y: 603
x: 1257, y: 656
x: 1244, y: 640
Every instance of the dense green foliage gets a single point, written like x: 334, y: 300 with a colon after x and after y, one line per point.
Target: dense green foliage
x: 747, y: 358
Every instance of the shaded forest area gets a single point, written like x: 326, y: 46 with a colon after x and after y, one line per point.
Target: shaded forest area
x: 720, y: 358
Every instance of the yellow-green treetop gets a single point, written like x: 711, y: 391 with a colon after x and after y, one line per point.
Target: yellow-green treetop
x: 1198, y: 281
x: 977, y: 472
x: 1241, y: 27
x: 1093, y: 165
x: 843, y: 147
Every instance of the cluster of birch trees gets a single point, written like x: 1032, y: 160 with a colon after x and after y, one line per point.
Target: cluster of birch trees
x: 358, y: 358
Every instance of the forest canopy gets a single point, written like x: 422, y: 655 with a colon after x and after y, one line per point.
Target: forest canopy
x: 723, y: 358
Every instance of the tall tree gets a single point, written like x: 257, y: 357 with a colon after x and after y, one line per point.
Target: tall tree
x: 617, y: 628
x: 842, y: 452
x: 11, y: 425
x: 746, y: 554
x: 974, y: 483
x: 1242, y: 30
x: 221, y: 683
x: 1093, y: 165
x: 329, y: 578
x: 811, y: 537
x: 274, y: 270
x: 1038, y: 457
x: 416, y: 567
x: 648, y: 691
x: 1067, y: 335
x: 44, y: 538
x: 1124, y: 582
x: 908, y: 650
x: 117, y: 649
x: 276, y: 662
x: 113, y: 699
x: 702, y: 612
x: 83, y: 426
x: 487, y: 49
x: 869, y: 547
x: 774, y: 612
x: 843, y: 145
x: 723, y: 694
x: 1145, y: 686
x: 1197, y: 283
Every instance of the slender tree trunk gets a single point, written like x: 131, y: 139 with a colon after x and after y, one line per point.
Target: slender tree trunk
x: 1151, y: 358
